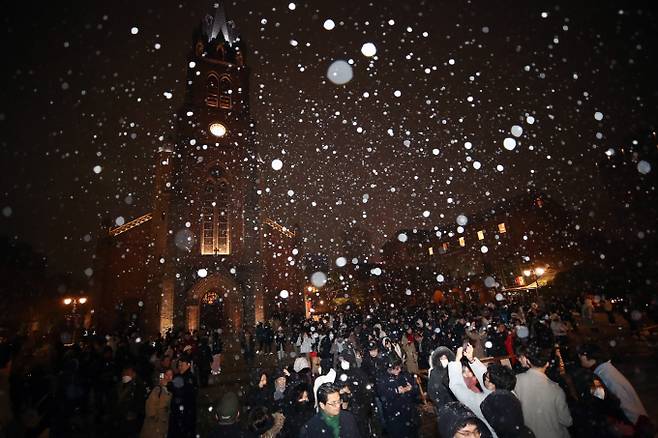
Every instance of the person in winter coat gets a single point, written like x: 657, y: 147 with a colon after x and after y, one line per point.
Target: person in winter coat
x: 373, y: 363
x: 182, y: 420
x: 438, y: 388
x: 302, y: 372
x: 299, y: 410
x: 260, y: 390
x: 227, y: 414
x: 157, y: 410
x: 129, y: 404
x: 502, y: 410
x: 544, y: 404
x: 247, y: 343
x: 305, y: 344
x: 469, y: 398
x: 355, y: 395
x: 592, y: 357
x: 280, y: 342
x: 217, y: 347
x: 204, y: 362
x: 409, y: 352
x: 457, y: 421
x: 265, y: 424
x: 398, y: 392
x: 330, y: 421
x: 279, y: 390
x: 596, y: 410
x: 477, y: 339
x: 324, y: 350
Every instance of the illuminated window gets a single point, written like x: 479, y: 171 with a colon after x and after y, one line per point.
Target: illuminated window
x: 501, y: 228
x: 225, y: 91
x: 215, y: 226
x: 430, y: 250
x: 212, y: 90
x: 480, y: 235
x: 462, y: 241
x: 210, y: 298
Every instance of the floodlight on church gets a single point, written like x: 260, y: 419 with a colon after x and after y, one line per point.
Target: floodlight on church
x: 217, y: 129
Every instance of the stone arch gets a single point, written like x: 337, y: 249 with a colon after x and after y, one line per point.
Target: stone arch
x: 231, y: 292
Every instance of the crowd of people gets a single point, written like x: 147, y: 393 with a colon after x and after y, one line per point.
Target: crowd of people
x: 500, y: 369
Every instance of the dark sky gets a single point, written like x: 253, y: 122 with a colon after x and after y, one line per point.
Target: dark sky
x: 81, y: 90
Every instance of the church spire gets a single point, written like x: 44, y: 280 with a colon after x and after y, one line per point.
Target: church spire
x: 216, y: 25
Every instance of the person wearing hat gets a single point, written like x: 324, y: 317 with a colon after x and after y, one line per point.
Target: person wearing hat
x: 227, y: 414
x: 399, y: 393
x: 330, y: 421
x: 182, y: 420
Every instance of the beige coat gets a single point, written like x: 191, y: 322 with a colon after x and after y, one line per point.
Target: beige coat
x: 410, y: 355
x: 156, y: 420
x: 544, y: 405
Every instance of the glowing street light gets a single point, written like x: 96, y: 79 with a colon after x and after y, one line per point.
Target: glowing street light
x: 539, y: 271
x: 67, y: 301
x: 527, y: 272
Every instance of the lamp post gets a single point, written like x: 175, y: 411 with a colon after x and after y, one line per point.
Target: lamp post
x: 535, y: 273
x: 73, y: 317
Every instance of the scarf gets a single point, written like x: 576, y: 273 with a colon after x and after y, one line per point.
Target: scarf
x: 333, y: 423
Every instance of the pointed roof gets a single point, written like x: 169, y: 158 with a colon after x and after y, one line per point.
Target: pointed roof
x: 216, y: 24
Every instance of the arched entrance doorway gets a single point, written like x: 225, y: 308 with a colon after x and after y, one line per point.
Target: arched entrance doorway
x: 214, y: 302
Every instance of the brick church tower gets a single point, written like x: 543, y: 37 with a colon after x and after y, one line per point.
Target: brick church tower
x: 205, y: 256
x: 206, y: 222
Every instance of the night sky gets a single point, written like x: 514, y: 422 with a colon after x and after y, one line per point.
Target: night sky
x: 414, y: 139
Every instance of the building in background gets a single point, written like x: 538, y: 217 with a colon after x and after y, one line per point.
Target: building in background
x: 516, y: 242
x: 206, y: 256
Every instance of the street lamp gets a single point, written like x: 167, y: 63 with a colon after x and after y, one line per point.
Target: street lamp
x: 73, y: 315
x: 535, y: 274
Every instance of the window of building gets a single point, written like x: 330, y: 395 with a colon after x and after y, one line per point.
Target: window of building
x: 444, y: 247
x: 502, y: 228
x: 212, y: 90
x: 225, y: 93
x: 430, y: 250
x: 215, y: 225
x: 462, y: 241
x: 480, y: 235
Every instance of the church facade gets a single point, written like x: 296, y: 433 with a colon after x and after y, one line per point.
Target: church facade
x: 207, y: 255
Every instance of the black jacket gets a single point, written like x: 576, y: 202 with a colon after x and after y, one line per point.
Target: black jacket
x: 437, y: 383
x: 317, y: 428
x: 502, y: 410
x: 182, y: 419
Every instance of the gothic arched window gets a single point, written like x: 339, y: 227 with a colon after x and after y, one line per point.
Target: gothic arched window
x: 225, y: 93
x: 215, y: 223
x: 212, y: 90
